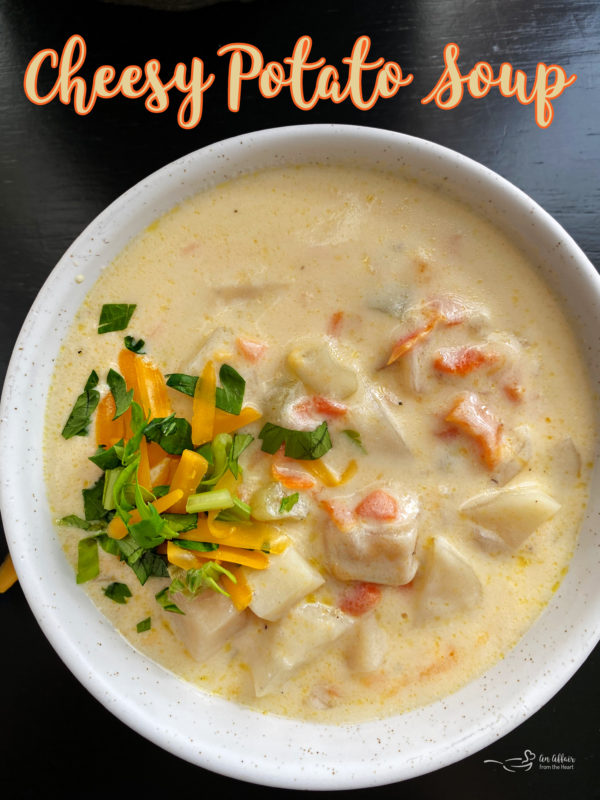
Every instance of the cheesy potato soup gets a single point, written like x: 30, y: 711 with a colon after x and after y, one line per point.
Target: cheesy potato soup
x: 318, y: 441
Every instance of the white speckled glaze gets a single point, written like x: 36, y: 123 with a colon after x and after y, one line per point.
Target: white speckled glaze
x: 209, y: 731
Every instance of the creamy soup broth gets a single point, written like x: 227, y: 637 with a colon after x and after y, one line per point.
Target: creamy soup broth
x: 487, y: 397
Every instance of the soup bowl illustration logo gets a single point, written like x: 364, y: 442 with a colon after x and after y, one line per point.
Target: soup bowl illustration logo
x: 517, y: 764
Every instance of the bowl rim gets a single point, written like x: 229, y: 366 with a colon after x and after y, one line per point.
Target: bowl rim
x: 296, y: 769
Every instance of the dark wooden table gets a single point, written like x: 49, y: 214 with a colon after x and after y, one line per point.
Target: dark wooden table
x: 58, y: 170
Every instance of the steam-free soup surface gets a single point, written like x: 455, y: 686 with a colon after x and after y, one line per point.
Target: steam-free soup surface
x: 425, y: 542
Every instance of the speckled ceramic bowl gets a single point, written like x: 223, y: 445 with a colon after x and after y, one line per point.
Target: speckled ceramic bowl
x: 207, y: 730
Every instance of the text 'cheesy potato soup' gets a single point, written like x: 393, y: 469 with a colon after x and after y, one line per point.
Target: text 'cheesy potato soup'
x: 350, y: 459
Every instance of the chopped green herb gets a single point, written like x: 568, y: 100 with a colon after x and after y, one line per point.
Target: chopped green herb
x: 240, y: 442
x: 206, y: 576
x: 144, y: 625
x: 85, y: 405
x: 163, y: 600
x: 173, y: 434
x: 230, y: 395
x: 302, y: 445
x: 111, y: 476
x: 88, y: 565
x: 206, y: 452
x: 131, y: 344
x: 149, y: 565
x: 74, y: 521
x: 288, y: 502
x: 108, y: 544
x: 186, y: 384
x: 355, y: 437
x: 181, y: 523
x: 202, y: 547
x: 92, y: 500
x: 239, y: 512
x: 108, y: 459
x: 115, y: 317
x: 119, y: 592
x: 138, y: 425
x: 160, y: 491
x: 214, y: 500
x: 118, y: 388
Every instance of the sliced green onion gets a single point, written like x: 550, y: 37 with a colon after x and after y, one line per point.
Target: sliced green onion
x: 209, y: 501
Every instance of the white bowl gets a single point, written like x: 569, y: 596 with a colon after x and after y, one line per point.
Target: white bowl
x: 209, y: 731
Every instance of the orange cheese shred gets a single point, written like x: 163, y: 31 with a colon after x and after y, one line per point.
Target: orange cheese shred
x: 190, y: 471
x: 203, y: 415
x: 8, y: 575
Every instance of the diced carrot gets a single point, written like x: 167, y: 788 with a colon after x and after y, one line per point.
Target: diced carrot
x: 189, y: 559
x: 335, y: 323
x: 251, y: 350
x: 462, y: 360
x: 475, y: 419
x: 143, y: 473
x: 152, y: 387
x: 108, y: 430
x: 228, y: 423
x: 360, y: 598
x: 117, y: 528
x: 408, y: 342
x: 321, y: 407
x: 289, y: 477
x: 514, y: 391
x: 8, y: 575
x: 342, y: 516
x: 190, y: 471
x: 447, y: 432
x: 377, y: 505
x: 240, y: 592
x: 203, y: 415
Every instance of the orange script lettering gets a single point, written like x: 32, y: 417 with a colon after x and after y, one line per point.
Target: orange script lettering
x: 70, y: 87
x: 549, y: 83
x: 272, y: 77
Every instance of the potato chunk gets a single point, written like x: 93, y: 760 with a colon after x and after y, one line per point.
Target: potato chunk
x: 276, y: 653
x: 513, y: 513
x: 449, y: 582
x: 266, y: 502
x: 378, y: 551
x: 368, y: 646
x: 207, y: 623
x: 320, y: 370
x: 288, y: 579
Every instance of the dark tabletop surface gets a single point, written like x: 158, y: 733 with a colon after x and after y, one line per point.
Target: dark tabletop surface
x: 59, y: 170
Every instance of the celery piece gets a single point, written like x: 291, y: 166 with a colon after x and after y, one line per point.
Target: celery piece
x: 209, y: 501
x: 110, y: 478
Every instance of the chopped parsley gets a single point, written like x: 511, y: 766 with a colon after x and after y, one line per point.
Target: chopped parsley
x: 119, y: 592
x: 301, y: 445
x: 79, y: 419
x: 115, y: 317
x: 355, y: 437
x: 144, y: 625
x: 288, y: 502
x: 118, y: 388
x: 131, y: 344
